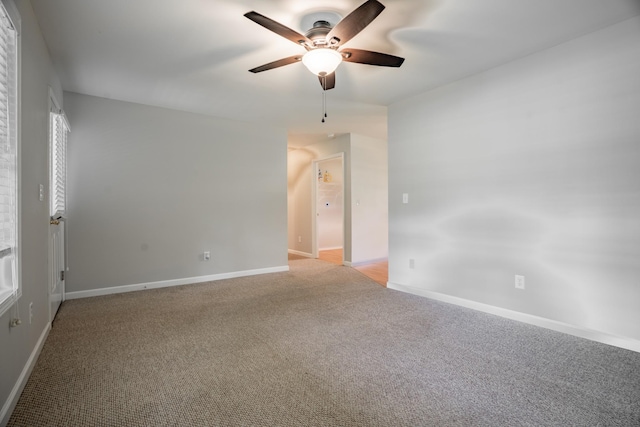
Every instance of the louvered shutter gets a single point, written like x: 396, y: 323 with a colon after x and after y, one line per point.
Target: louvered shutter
x: 9, y: 283
x: 58, y: 149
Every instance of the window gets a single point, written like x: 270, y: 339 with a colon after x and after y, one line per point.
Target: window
x: 9, y: 281
x: 58, y: 130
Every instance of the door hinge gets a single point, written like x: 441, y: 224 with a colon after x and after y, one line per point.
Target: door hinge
x: 62, y: 276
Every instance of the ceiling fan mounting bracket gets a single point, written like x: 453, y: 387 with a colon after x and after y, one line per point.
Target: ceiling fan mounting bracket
x: 318, y: 33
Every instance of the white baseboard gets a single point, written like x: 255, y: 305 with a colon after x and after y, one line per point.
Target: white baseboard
x: 174, y: 282
x: 365, y: 262
x: 330, y: 248
x: 12, y: 400
x: 304, y: 254
x: 602, y: 337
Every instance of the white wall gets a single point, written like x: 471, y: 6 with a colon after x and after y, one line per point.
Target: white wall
x: 369, y: 199
x: 531, y: 168
x: 18, y: 344
x: 330, y: 204
x: 150, y: 189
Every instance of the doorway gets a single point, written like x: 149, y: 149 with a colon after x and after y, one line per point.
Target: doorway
x: 56, y: 266
x: 329, y: 201
x: 58, y: 132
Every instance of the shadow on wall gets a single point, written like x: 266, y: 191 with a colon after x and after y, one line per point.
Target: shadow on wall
x: 299, y: 170
x: 484, y: 240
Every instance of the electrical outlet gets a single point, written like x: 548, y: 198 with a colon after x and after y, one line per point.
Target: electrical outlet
x: 405, y: 197
x: 412, y: 263
x: 206, y: 255
x: 299, y: 239
x: 30, y: 313
x: 519, y: 282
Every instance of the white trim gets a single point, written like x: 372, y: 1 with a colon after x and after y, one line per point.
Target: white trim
x: 12, y: 399
x: 14, y: 14
x: 331, y: 248
x: 54, y: 107
x: 9, y: 298
x: 16, y: 20
x: 300, y: 253
x: 174, y: 282
x: 602, y: 337
x: 367, y: 261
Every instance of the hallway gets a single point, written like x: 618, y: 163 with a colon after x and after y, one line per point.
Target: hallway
x: 378, y: 271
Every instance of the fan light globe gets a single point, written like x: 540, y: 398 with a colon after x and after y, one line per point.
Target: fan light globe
x: 322, y: 61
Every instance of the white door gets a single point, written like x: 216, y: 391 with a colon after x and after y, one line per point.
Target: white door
x: 56, y: 266
x: 58, y: 130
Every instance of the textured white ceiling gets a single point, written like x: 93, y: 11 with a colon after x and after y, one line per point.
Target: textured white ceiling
x: 193, y: 55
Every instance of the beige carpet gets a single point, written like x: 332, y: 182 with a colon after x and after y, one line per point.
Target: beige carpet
x: 320, y: 345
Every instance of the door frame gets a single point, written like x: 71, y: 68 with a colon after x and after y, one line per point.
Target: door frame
x: 314, y: 203
x: 54, y: 106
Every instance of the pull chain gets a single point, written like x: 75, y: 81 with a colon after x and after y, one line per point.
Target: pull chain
x: 324, y: 97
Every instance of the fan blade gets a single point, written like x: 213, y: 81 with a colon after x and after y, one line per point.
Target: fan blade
x: 275, y: 64
x: 355, y: 22
x: 328, y: 82
x: 278, y: 28
x: 372, y: 58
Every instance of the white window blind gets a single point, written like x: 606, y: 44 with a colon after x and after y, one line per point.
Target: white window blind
x: 58, y: 131
x: 9, y: 283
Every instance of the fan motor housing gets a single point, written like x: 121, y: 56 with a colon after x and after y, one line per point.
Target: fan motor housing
x: 318, y: 34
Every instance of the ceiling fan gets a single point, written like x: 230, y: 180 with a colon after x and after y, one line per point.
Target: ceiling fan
x: 324, y: 44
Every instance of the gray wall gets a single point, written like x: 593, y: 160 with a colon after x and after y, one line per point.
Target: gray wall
x: 531, y: 168
x: 150, y: 189
x: 369, y: 199
x: 37, y: 76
